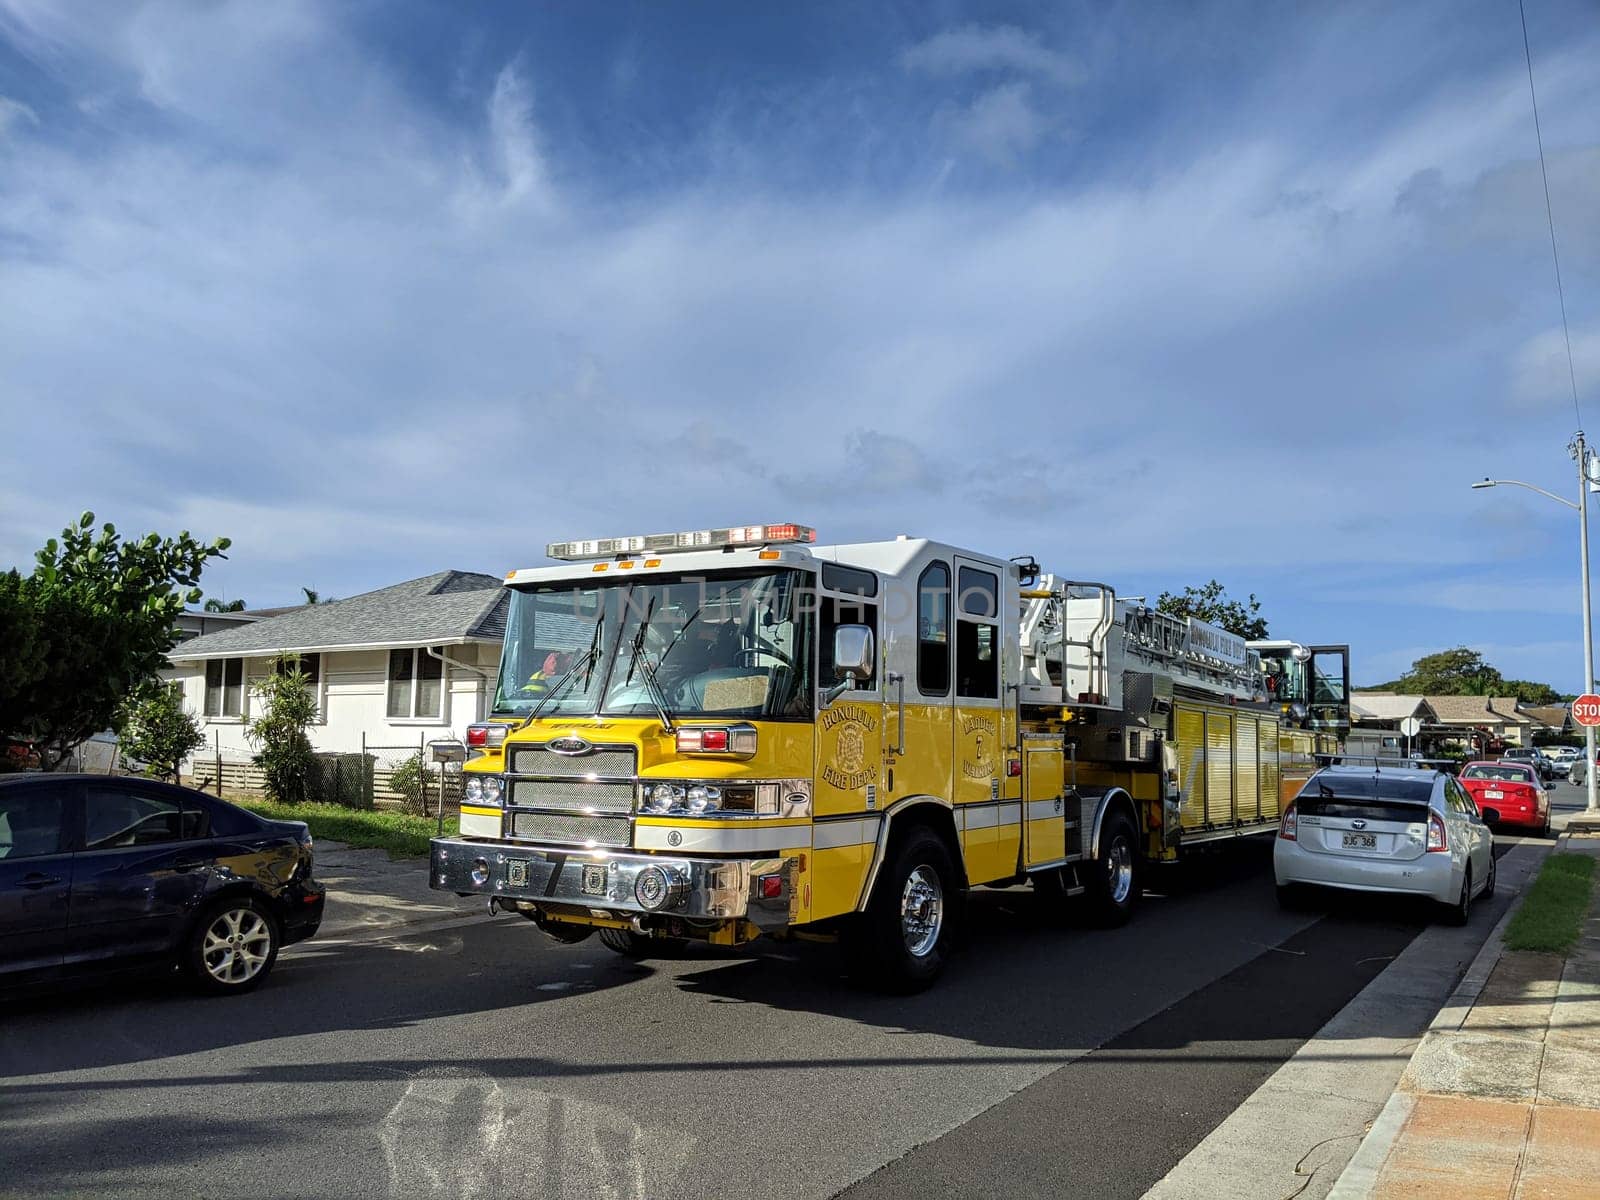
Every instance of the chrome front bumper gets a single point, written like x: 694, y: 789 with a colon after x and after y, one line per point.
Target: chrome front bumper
x: 603, y: 882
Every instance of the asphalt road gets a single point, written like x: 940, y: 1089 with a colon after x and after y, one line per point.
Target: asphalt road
x: 480, y: 1059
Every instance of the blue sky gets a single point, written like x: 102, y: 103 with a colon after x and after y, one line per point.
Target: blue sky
x: 1154, y: 293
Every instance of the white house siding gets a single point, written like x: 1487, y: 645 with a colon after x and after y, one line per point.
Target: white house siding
x: 354, y: 702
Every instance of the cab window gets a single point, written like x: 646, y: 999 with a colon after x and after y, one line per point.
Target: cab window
x: 835, y: 612
x: 977, y: 635
x: 933, y: 630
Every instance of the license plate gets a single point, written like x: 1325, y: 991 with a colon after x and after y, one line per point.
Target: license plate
x: 517, y: 872
x: 1360, y: 841
x: 1491, y: 794
x: 594, y: 880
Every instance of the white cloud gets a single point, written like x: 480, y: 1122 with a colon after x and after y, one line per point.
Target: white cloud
x: 999, y: 125
x: 973, y: 48
x: 371, y: 342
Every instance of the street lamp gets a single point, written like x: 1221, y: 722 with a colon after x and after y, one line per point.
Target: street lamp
x: 1586, y: 478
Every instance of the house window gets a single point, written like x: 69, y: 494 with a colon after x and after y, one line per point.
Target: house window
x: 309, y: 665
x: 225, y: 687
x: 416, y: 685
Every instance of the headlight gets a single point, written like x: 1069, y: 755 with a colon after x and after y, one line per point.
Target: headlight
x: 702, y: 798
x: 663, y: 798
x: 483, y: 789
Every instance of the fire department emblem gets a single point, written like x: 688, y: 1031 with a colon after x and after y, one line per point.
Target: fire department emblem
x: 851, y: 752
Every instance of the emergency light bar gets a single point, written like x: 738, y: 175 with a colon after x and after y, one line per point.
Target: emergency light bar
x: 675, y: 543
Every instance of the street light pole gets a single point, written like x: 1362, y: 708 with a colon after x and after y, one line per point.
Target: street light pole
x: 1580, y: 451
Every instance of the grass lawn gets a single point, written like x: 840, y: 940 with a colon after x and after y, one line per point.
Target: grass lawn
x: 401, y: 834
x: 1551, y: 917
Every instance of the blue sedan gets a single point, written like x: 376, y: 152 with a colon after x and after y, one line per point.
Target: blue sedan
x: 101, y: 874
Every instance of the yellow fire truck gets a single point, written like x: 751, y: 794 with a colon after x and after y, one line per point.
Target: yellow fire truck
x: 726, y: 733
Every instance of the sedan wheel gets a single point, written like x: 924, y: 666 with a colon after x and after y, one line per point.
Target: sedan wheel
x: 1461, y: 911
x: 233, y: 947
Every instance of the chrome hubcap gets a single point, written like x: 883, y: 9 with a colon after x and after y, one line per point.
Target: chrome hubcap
x: 922, y: 911
x: 1119, y: 870
x: 236, y: 946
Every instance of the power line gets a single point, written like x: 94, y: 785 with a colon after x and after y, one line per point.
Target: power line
x: 1544, y: 174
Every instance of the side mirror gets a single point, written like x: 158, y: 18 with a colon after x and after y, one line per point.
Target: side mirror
x: 853, y: 653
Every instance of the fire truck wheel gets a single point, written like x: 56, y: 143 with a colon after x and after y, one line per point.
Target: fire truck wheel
x: 1112, y: 880
x: 900, y: 944
x: 636, y: 945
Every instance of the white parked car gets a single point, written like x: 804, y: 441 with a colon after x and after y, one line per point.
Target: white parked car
x: 1564, y: 757
x: 1402, y: 830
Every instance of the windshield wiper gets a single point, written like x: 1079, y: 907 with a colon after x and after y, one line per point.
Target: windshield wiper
x: 652, y: 684
x: 588, y: 656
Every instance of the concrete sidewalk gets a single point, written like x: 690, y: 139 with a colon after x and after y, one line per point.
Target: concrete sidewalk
x: 1502, y: 1098
x: 371, y: 895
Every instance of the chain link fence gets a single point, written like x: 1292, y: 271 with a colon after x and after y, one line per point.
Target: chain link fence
x: 392, y: 777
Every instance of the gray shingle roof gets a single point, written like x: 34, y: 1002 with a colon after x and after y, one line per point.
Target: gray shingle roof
x: 449, y: 607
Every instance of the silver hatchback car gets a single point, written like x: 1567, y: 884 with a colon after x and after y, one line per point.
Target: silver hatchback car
x: 1402, y: 830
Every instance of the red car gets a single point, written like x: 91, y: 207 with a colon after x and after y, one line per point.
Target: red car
x: 1508, y: 793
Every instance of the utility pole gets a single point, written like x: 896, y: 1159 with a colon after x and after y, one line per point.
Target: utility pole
x: 1580, y: 451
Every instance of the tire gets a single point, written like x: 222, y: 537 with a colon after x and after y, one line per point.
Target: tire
x: 567, y: 933
x: 1461, y: 911
x: 1488, y: 886
x: 637, y: 945
x: 1112, y: 882
x: 232, y: 946
x: 903, y: 941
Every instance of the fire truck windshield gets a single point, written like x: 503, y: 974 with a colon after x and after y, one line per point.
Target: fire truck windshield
x: 735, y: 645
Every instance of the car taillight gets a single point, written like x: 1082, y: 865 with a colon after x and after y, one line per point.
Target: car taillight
x: 1288, y: 823
x: 483, y: 736
x: 736, y: 740
x: 1437, y: 842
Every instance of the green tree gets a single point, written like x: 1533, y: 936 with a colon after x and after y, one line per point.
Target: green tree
x: 216, y: 605
x: 288, y: 708
x: 91, y: 625
x: 1458, y: 672
x: 409, y: 782
x: 154, y: 728
x: 1210, y: 602
x: 315, y: 597
x: 1531, y: 693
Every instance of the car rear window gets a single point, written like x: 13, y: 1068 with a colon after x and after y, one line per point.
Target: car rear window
x: 1502, y: 774
x: 1372, y: 797
x: 228, y: 820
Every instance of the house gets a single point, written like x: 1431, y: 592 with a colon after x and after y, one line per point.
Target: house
x: 1377, y: 722
x: 1556, y: 719
x: 1471, y: 720
x: 193, y: 624
x: 1520, y: 726
x: 391, y: 669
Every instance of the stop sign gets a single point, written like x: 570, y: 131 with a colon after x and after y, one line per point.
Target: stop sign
x: 1586, y: 710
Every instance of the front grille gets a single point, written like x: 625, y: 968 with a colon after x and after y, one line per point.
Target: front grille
x: 586, y: 799
x: 558, y: 827
x: 572, y: 795
x: 611, y: 762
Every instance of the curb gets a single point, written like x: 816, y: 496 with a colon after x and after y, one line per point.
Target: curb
x: 1361, y: 1173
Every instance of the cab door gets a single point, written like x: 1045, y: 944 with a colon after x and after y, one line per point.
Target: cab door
x: 850, y: 741
x: 35, y: 876
x: 991, y: 828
